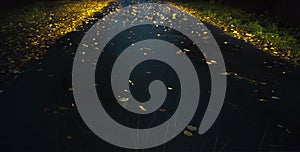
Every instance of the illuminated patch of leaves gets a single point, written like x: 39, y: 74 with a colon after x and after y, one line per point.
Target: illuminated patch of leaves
x: 26, y: 33
x: 261, y: 30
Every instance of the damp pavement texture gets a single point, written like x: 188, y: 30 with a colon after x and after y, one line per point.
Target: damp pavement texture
x: 260, y: 112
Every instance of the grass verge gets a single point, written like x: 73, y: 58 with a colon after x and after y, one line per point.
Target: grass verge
x: 261, y: 30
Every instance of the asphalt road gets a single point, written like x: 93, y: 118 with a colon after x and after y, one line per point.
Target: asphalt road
x: 261, y: 109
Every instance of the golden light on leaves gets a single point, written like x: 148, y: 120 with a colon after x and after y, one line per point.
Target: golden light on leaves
x: 187, y: 133
x: 28, y: 32
x: 123, y: 99
x: 142, y: 108
x: 273, y: 42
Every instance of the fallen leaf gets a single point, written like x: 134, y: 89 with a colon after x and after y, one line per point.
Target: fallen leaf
x: 178, y: 52
x: 289, y: 131
x: 142, y: 108
x: 162, y: 110
x: 280, y: 126
x: 186, y: 50
x: 262, y: 100
x: 131, y: 82
x: 123, y: 99
x: 191, y: 128
x: 225, y: 73
x: 276, y: 98
x: 187, y: 133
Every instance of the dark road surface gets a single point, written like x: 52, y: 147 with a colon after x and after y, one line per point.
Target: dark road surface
x: 261, y: 109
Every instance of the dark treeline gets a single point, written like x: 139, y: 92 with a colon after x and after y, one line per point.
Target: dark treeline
x: 11, y: 4
x: 286, y: 10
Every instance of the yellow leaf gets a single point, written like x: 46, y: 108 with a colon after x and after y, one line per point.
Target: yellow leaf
x: 142, y: 108
x: 187, y: 133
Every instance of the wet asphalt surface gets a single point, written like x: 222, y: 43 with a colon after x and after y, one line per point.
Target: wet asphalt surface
x: 260, y: 112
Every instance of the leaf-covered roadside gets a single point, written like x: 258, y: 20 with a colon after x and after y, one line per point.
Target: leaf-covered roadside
x: 26, y: 33
x: 261, y: 30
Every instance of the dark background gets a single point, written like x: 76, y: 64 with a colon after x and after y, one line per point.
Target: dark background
x: 287, y: 10
x: 11, y: 4
x: 245, y: 123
